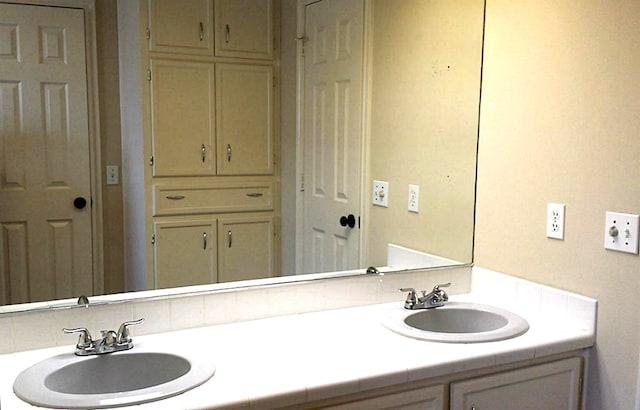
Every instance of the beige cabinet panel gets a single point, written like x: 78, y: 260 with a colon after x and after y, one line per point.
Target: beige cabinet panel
x: 244, y: 28
x: 179, y: 26
x: 182, y: 118
x: 553, y: 385
x: 245, y: 248
x: 425, y: 398
x: 244, y: 119
x: 185, y: 253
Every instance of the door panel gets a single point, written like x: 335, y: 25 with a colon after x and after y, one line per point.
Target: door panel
x: 332, y: 133
x: 45, y: 252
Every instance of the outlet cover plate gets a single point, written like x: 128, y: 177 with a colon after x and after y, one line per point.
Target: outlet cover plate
x: 621, y: 232
x: 555, y: 221
x: 414, y: 199
x: 380, y: 193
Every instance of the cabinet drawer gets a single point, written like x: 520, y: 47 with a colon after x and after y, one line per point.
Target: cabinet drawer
x: 213, y: 198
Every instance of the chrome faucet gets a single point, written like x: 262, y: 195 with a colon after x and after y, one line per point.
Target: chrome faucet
x: 436, y: 298
x: 110, y: 341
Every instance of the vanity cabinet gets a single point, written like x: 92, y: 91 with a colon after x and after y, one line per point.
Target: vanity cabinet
x: 244, y: 28
x: 553, y: 385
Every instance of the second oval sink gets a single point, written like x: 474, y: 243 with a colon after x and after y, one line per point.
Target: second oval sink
x: 457, y: 323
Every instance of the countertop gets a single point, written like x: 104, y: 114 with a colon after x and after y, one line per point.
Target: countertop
x: 288, y: 360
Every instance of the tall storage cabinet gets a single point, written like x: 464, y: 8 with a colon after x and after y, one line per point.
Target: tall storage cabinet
x: 208, y: 72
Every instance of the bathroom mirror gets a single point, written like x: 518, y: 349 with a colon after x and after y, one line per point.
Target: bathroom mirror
x: 423, y: 102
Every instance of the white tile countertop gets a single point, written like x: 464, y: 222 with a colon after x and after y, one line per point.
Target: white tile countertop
x: 288, y: 360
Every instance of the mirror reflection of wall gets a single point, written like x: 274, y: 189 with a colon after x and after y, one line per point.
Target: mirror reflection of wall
x: 422, y: 105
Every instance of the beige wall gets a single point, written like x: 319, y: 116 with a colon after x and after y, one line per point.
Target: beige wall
x: 560, y: 122
x: 424, y: 110
x: 110, y: 147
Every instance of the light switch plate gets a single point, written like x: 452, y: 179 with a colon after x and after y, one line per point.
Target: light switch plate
x: 621, y: 232
x: 380, y: 193
x: 112, y: 175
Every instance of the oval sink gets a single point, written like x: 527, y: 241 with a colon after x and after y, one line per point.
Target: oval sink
x: 111, y: 380
x: 457, y: 322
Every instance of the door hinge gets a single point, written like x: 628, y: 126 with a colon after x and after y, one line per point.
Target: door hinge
x: 275, y: 81
x: 149, y: 75
x: 302, y: 183
x: 148, y: 33
x: 358, y: 222
x: 153, y: 239
x: 580, y: 382
x: 151, y: 160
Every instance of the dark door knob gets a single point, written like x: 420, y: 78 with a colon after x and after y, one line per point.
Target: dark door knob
x: 348, y: 220
x: 79, y: 202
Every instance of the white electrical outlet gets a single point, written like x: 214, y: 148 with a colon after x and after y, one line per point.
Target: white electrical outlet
x: 555, y: 221
x: 621, y: 232
x: 112, y: 175
x: 414, y: 197
x: 380, y: 193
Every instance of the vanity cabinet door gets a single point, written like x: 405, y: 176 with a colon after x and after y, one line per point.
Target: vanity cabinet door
x: 183, y: 27
x: 244, y: 119
x: 185, y: 253
x: 425, y: 398
x: 182, y: 118
x: 245, y: 247
x: 244, y: 28
x: 553, y: 385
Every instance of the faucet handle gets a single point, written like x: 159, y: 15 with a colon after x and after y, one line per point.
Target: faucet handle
x: 84, y: 340
x: 123, y: 330
x: 443, y: 285
x: 411, y: 297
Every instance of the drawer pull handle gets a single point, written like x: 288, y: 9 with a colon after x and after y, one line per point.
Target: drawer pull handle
x: 254, y: 194
x: 227, y: 34
x: 201, y: 31
x: 229, y: 239
x: 204, y: 152
x: 204, y: 240
x: 175, y: 197
x: 229, y: 152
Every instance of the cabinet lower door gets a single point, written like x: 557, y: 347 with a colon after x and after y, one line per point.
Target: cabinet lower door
x: 425, y: 398
x: 245, y: 248
x: 553, y: 385
x: 185, y: 253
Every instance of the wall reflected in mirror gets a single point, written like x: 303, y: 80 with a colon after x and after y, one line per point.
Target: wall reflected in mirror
x: 422, y: 79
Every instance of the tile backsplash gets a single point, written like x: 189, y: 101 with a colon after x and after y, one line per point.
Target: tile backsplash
x: 41, y: 329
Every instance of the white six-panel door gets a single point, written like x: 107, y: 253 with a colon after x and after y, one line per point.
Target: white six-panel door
x: 45, y: 241
x: 333, y: 64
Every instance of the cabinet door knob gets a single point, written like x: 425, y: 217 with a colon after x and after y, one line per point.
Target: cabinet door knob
x: 229, y: 239
x: 229, y: 152
x: 201, y: 31
x: 227, y: 33
x: 204, y: 152
x: 204, y: 241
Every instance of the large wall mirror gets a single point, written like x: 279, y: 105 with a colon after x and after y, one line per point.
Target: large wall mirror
x: 420, y: 76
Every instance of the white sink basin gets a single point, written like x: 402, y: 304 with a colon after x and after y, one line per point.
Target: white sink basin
x: 116, y: 379
x: 457, y: 322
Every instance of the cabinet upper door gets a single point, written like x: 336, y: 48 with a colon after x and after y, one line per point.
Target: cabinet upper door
x: 182, y: 118
x: 244, y: 28
x: 245, y: 248
x: 244, y: 119
x: 184, y: 27
x: 185, y: 253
